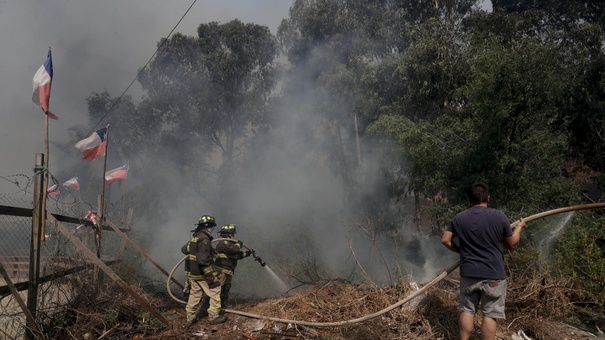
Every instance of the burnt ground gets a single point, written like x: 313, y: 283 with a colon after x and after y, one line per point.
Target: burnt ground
x: 540, y: 306
x: 433, y: 316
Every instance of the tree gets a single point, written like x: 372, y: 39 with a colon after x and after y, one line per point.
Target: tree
x: 489, y: 109
x: 329, y: 44
x: 212, y: 91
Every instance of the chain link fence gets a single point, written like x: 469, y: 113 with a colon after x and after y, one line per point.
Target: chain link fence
x: 65, y: 273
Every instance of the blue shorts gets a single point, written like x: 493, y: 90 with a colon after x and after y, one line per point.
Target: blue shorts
x: 490, y: 294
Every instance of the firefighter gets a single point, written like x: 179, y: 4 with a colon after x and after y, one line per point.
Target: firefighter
x: 228, y: 252
x: 199, y: 269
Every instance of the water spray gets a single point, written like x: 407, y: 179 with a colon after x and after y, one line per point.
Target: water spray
x: 424, y: 288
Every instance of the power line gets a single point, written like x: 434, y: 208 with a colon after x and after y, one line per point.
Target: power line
x: 144, y: 66
x: 137, y: 75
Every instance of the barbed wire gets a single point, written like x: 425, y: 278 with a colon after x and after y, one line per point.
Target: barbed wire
x: 66, y: 202
x: 21, y: 181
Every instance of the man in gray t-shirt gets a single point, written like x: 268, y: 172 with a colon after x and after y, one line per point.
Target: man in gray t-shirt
x: 482, y: 233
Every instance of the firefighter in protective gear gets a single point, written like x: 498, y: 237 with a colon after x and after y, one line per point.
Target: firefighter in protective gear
x: 205, y: 280
x: 228, y: 252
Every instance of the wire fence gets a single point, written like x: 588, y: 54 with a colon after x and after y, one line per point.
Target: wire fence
x: 65, y: 274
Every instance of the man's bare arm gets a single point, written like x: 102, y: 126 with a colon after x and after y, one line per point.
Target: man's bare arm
x: 447, y: 239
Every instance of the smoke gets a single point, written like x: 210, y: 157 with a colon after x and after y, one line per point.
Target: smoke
x: 299, y: 201
x: 96, y: 46
x: 292, y: 200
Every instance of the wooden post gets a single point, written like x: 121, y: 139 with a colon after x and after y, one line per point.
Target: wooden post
x: 37, y: 222
x: 101, y: 212
x: 94, y: 259
x: 45, y: 180
x: 98, y: 235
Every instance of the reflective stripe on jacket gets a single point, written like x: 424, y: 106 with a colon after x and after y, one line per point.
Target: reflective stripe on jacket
x: 198, y: 264
x: 228, y: 252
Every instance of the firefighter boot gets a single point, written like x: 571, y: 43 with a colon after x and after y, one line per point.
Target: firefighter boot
x: 218, y: 319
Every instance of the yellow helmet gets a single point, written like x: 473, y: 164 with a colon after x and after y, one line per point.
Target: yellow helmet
x: 228, y: 229
x: 206, y: 221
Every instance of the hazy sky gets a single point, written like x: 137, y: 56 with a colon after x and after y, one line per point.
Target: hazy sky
x: 96, y: 45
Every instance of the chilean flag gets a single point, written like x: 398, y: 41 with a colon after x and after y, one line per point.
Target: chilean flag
x: 53, y: 190
x: 115, y: 174
x: 94, y: 145
x: 42, y: 81
x: 73, y: 183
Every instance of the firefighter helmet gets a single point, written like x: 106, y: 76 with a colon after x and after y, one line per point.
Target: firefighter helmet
x: 206, y: 221
x: 228, y: 229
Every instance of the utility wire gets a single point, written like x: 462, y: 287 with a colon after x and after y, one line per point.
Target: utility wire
x: 136, y: 77
x: 144, y: 66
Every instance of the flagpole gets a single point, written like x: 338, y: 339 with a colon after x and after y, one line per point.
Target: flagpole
x: 80, y: 195
x: 45, y: 181
x: 102, y: 203
x: 124, y: 194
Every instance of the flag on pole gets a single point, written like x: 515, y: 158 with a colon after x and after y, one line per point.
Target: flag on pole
x: 53, y: 190
x: 42, y: 81
x: 72, y: 183
x: 115, y: 174
x: 94, y: 145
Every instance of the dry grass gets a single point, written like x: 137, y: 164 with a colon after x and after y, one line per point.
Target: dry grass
x: 536, y: 304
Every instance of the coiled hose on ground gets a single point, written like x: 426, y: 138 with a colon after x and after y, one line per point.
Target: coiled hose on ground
x: 407, y: 299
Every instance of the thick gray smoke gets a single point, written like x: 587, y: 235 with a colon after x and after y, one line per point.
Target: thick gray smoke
x: 298, y: 213
x: 290, y: 205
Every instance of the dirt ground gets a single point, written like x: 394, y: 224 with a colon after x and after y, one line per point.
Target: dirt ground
x: 239, y: 327
x: 433, y: 319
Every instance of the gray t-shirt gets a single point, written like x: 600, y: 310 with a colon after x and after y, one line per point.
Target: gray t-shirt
x: 481, y: 232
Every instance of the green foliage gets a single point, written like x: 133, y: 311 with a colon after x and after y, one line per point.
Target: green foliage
x: 581, y: 254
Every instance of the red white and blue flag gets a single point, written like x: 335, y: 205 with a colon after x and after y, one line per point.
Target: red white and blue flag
x: 94, y: 145
x: 42, y: 81
x: 115, y: 174
x: 72, y: 183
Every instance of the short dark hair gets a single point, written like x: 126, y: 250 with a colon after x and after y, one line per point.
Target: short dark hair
x: 477, y: 193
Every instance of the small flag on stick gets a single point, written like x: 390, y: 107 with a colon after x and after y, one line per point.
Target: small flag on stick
x: 94, y: 145
x: 73, y: 183
x: 53, y: 190
x: 117, y: 173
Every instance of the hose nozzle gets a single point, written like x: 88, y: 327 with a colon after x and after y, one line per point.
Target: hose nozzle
x: 257, y: 258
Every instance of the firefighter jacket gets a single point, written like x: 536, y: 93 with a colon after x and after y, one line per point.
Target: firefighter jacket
x: 198, y: 265
x: 227, y: 254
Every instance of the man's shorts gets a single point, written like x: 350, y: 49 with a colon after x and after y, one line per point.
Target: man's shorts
x: 491, y: 294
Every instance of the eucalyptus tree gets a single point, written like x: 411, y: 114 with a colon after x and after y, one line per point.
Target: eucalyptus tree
x: 577, y: 32
x: 213, y: 92
x: 205, y: 97
x: 494, y: 108
x: 329, y: 44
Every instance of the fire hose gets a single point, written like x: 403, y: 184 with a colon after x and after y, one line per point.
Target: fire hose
x: 407, y: 299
